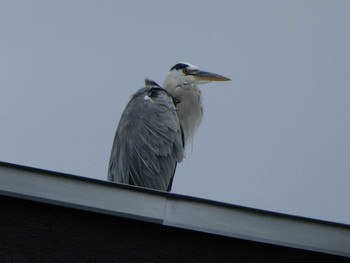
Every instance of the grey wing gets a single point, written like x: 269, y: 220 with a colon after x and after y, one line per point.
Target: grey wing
x: 148, y: 142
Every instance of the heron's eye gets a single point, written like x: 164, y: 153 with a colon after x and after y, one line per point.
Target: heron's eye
x: 185, y: 71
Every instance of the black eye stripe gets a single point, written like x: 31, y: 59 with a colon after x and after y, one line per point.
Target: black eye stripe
x: 179, y: 66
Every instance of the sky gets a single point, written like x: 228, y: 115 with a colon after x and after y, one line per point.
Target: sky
x: 277, y: 137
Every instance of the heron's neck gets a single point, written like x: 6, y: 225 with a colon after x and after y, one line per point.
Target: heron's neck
x: 190, y: 111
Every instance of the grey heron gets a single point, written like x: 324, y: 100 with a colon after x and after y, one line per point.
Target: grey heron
x: 156, y: 126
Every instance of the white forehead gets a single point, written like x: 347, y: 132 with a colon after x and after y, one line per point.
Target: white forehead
x: 190, y: 66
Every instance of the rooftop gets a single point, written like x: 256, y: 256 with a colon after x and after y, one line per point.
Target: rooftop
x: 174, y: 210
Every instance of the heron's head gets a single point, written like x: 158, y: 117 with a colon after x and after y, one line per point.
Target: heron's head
x: 184, y: 72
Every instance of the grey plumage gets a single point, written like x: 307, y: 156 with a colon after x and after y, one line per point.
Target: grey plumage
x: 155, y: 127
x: 150, y: 135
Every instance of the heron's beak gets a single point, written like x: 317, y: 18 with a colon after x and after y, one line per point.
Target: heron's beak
x: 205, y: 76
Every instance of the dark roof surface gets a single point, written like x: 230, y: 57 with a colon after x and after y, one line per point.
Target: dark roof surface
x: 174, y: 210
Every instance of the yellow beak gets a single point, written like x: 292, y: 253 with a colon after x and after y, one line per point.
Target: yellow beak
x: 208, y: 76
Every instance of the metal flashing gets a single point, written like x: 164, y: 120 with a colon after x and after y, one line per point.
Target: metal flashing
x: 174, y: 210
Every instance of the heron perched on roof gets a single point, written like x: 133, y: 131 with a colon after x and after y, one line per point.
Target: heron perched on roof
x: 156, y: 126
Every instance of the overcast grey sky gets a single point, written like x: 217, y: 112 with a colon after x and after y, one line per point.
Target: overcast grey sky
x: 277, y: 137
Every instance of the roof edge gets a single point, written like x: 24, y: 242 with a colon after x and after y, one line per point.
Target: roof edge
x: 173, y: 209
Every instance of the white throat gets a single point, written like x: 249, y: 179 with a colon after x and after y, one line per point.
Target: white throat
x: 190, y: 111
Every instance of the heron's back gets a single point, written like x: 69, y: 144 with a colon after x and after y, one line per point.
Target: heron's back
x: 148, y: 142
